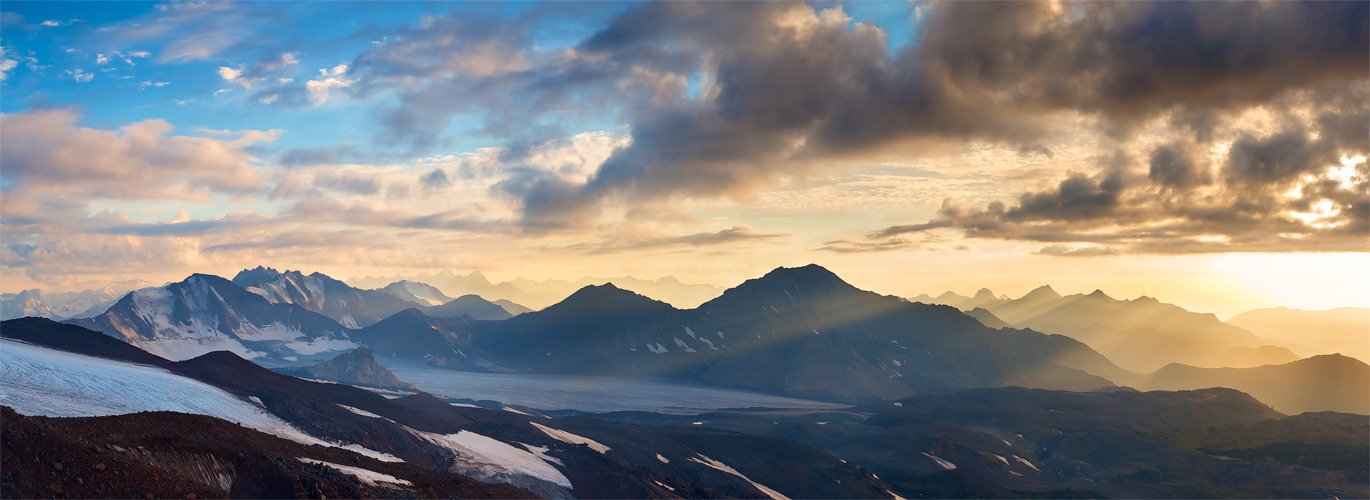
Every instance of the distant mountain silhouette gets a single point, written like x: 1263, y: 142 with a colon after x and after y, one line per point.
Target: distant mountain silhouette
x: 1141, y: 335
x: 1345, y: 330
x: 796, y: 331
x: 514, y: 308
x: 468, y: 305
x: 1320, y: 383
x: 58, y: 306
x: 987, y: 318
x: 540, y: 294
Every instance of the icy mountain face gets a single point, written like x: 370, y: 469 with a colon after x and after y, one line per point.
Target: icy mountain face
x: 38, y: 303
x: 352, y: 307
x: 419, y: 293
x: 207, y: 313
x: 41, y: 381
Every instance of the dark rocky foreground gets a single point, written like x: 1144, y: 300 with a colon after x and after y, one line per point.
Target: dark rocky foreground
x: 175, y: 455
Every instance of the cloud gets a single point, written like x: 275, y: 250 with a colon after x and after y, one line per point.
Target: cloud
x: 347, y: 182
x: 1076, y: 251
x: 46, y: 153
x: 732, y: 235
x: 81, y: 76
x: 321, y: 90
x: 784, y: 90
x: 6, y: 64
x: 859, y: 246
x: 1302, y: 186
x: 435, y: 179
x: 194, y: 31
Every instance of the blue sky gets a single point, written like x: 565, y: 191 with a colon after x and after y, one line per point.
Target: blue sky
x: 707, y: 140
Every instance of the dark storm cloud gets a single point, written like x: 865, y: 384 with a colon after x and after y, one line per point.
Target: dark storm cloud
x: 435, y: 179
x: 1175, y: 167
x: 783, y: 90
x: 1278, y: 192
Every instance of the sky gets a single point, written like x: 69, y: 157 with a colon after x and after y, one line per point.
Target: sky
x: 1211, y: 154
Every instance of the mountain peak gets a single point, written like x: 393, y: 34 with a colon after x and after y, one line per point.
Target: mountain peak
x: 1099, y: 294
x: 1043, y: 292
x: 984, y: 293
x: 604, y: 298
x: 256, y: 275
x: 804, y: 277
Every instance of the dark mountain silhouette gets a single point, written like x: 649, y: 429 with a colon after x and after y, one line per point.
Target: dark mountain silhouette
x: 472, y: 306
x: 796, y: 331
x: 352, y: 307
x: 1141, y: 335
x: 205, y: 313
x: 1329, y: 382
x: 514, y: 308
x: 987, y: 318
x: 355, y: 367
x: 72, y: 338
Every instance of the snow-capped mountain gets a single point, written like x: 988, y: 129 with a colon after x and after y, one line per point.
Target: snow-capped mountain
x: 206, y: 313
x: 352, y: 307
x: 35, y: 302
x: 419, y: 293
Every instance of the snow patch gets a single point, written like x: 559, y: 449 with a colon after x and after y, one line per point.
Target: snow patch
x: 361, y: 412
x: 700, y: 458
x: 321, y: 345
x: 662, y: 459
x: 1024, y: 461
x: 657, y: 349
x: 541, y: 452
x: 941, y: 462
x: 569, y: 438
x: 489, y: 459
x: 366, y: 476
x: 682, y: 345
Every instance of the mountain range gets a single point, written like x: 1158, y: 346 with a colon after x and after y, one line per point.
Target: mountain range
x: 67, y: 305
x: 799, y: 332
x: 540, y: 294
x: 218, y: 425
x: 1141, y: 335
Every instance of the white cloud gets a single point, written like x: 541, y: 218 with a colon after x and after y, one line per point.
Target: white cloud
x: 47, y: 155
x: 101, y: 59
x: 235, y: 75
x: 80, y: 75
x: 6, y: 64
x: 320, y: 90
x: 147, y: 83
